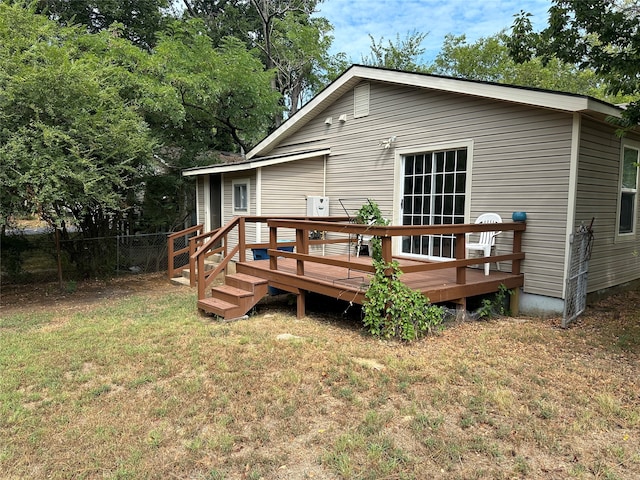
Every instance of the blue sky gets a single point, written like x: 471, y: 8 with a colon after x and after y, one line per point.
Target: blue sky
x: 353, y: 20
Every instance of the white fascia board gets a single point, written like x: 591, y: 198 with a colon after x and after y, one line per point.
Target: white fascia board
x: 509, y: 93
x: 241, y: 167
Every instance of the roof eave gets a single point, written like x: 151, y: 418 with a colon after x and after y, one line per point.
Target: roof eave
x: 256, y: 163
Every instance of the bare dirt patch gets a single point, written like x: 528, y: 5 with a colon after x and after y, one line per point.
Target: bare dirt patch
x: 78, y: 295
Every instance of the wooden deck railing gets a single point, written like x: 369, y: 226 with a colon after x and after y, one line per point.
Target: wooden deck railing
x: 203, y: 245
x: 217, y: 242
x: 386, y: 234
x: 173, y: 253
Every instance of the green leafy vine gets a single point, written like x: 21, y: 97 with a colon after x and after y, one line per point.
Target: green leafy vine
x: 392, y: 309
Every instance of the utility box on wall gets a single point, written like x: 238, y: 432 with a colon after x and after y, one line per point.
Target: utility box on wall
x: 317, y: 206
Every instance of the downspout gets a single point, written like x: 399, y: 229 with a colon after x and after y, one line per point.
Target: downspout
x: 572, y: 195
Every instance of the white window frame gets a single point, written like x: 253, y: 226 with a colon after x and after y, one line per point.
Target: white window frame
x: 400, y: 154
x: 238, y: 183
x: 628, y: 145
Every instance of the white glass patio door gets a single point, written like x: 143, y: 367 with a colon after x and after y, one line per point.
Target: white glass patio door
x: 434, y: 193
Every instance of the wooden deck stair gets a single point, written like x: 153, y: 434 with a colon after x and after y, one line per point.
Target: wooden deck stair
x: 236, y: 297
x: 185, y: 273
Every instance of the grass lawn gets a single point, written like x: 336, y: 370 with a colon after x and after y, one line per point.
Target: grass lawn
x: 137, y: 384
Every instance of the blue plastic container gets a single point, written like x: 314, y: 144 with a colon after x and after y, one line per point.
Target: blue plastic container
x: 261, y: 254
x: 519, y: 216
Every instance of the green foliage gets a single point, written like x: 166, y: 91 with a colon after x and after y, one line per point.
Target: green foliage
x: 496, y: 306
x: 393, y: 310
x: 300, y: 45
x: 223, y: 95
x: 370, y: 214
x: 141, y: 19
x: 488, y: 59
x: 87, y: 121
x: 69, y: 142
x: 12, y: 248
x: 290, y: 39
x: 400, y: 55
x: 597, y: 35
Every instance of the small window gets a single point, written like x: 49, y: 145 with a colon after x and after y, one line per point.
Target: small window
x: 241, y: 197
x: 627, y: 207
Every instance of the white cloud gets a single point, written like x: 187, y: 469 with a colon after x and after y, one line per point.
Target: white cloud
x: 353, y: 20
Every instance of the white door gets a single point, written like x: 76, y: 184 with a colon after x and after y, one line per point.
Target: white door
x: 433, y: 193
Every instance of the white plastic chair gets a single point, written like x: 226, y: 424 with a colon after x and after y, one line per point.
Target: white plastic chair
x: 487, y: 239
x: 365, y: 241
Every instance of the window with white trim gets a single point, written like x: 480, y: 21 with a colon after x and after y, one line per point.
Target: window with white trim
x: 628, y: 200
x: 434, y: 193
x: 240, y: 196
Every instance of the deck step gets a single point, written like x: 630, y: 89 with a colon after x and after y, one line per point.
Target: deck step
x: 230, y: 294
x: 244, y: 281
x: 208, y: 265
x: 181, y: 281
x: 219, y: 307
x: 237, y: 297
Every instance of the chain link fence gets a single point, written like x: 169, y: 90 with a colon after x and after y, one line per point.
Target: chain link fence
x: 34, y: 257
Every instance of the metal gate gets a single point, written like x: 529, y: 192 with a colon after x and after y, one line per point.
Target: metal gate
x: 580, y: 245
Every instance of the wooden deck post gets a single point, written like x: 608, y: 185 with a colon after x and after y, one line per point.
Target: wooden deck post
x: 514, y: 302
x: 242, y: 241
x: 301, y: 310
x: 517, y: 248
x: 170, y: 248
x: 302, y: 246
x: 387, y: 254
x: 273, y: 243
x: 461, y: 253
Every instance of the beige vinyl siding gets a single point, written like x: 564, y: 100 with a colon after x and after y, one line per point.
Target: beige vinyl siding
x: 613, y: 262
x: 285, y: 188
x: 521, y: 161
x: 227, y: 208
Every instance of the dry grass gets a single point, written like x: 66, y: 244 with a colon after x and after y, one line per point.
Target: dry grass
x: 139, y: 385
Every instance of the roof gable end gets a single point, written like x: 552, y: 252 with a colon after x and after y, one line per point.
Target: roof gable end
x: 355, y: 74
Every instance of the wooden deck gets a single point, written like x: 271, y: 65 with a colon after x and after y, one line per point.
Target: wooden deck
x: 351, y: 284
x: 344, y: 277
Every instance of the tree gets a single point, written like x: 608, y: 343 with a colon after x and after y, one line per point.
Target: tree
x: 401, y: 55
x: 70, y: 144
x: 224, y: 95
x: 299, y: 51
x: 488, y: 60
x: 72, y: 148
x: 224, y: 18
x: 291, y: 42
x: 86, y: 120
x: 601, y: 35
x: 141, y: 19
